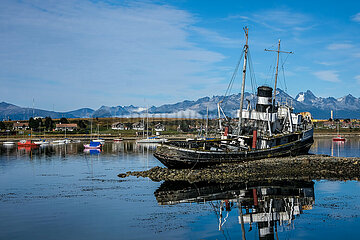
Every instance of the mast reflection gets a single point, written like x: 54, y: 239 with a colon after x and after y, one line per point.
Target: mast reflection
x: 263, y: 205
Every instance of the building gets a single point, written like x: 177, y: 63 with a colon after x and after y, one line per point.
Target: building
x: 139, y: 126
x: 159, y: 127
x: 66, y: 127
x: 21, y: 126
x: 119, y: 126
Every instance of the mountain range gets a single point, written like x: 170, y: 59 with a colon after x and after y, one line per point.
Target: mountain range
x: 344, y: 107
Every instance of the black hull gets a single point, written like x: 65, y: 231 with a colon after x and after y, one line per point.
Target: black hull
x: 177, y: 157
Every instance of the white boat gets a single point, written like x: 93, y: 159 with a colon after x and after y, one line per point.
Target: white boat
x: 152, y: 140
x: 102, y: 141
x: 8, y: 143
x: 42, y: 142
x: 61, y: 141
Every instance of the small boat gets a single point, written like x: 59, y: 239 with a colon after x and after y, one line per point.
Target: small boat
x: 118, y: 139
x: 42, y: 142
x: 152, y: 140
x: 100, y: 140
x: 62, y: 141
x: 93, y: 145
x: 339, y: 139
x: 27, y: 143
x: 95, y: 151
x: 8, y: 143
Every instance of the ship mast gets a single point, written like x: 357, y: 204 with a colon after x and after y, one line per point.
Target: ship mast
x: 277, y: 70
x: 243, y: 79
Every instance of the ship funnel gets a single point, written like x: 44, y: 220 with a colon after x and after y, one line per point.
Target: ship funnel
x: 264, y: 96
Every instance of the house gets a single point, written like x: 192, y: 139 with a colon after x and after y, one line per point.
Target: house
x: 139, y: 126
x: 66, y: 127
x: 159, y: 127
x: 119, y: 126
x: 21, y: 126
x: 329, y: 124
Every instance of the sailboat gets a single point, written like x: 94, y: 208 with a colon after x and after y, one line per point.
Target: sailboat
x: 338, y: 138
x: 95, y: 143
x: 99, y: 140
x: 8, y: 143
x: 28, y: 143
x: 148, y: 139
x: 270, y: 130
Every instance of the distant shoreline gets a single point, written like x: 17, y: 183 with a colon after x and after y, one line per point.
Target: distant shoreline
x: 88, y: 137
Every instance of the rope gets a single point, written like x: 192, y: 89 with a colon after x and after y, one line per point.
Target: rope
x: 233, y: 77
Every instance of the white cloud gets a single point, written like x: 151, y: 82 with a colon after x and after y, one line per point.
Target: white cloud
x: 99, y: 53
x: 282, y: 19
x: 357, y: 55
x: 339, y: 46
x: 329, y: 75
x: 356, y: 18
x: 357, y: 78
x: 325, y: 63
x: 216, y: 37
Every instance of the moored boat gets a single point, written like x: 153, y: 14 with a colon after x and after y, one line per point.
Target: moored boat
x: 271, y: 129
x: 42, y: 142
x: 99, y: 140
x: 93, y: 145
x: 9, y: 143
x: 339, y: 139
x: 27, y: 143
x: 152, y: 140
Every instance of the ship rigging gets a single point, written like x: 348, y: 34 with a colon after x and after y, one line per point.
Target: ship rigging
x: 271, y: 129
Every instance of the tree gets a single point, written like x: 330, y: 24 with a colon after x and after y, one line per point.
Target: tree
x: 64, y: 120
x: 82, y: 124
x: 33, y: 124
x: 49, y: 123
x: 184, y: 126
x: 2, y: 125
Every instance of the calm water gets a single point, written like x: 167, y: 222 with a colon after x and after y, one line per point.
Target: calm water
x: 62, y: 192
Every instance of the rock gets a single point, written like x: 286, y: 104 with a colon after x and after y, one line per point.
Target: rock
x: 307, y: 167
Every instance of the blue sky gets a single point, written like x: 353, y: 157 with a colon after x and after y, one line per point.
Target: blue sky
x: 73, y: 54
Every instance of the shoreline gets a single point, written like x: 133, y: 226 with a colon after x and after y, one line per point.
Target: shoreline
x: 311, y: 167
x: 107, y: 137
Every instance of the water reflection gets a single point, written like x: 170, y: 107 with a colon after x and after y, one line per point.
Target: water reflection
x: 125, y: 147
x: 92, y: 151
x: 261, y: 206
x: 349, y: 148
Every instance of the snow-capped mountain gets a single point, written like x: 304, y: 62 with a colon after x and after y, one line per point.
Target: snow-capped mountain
x: 344, y: 107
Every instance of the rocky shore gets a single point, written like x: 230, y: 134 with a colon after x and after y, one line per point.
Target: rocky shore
x: 306, y: 167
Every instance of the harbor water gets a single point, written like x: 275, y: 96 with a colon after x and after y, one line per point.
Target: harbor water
x: 64, y: 192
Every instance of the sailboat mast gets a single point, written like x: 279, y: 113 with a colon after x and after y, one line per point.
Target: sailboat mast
x: 147, y: 122
x: 277, y: 70
x: 219, y: 114
x: 276, y: 74
x: 243, y: 80
x: 207, y: 121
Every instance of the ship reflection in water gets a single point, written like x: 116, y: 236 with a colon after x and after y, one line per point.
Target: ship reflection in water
x: 262, y: 206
